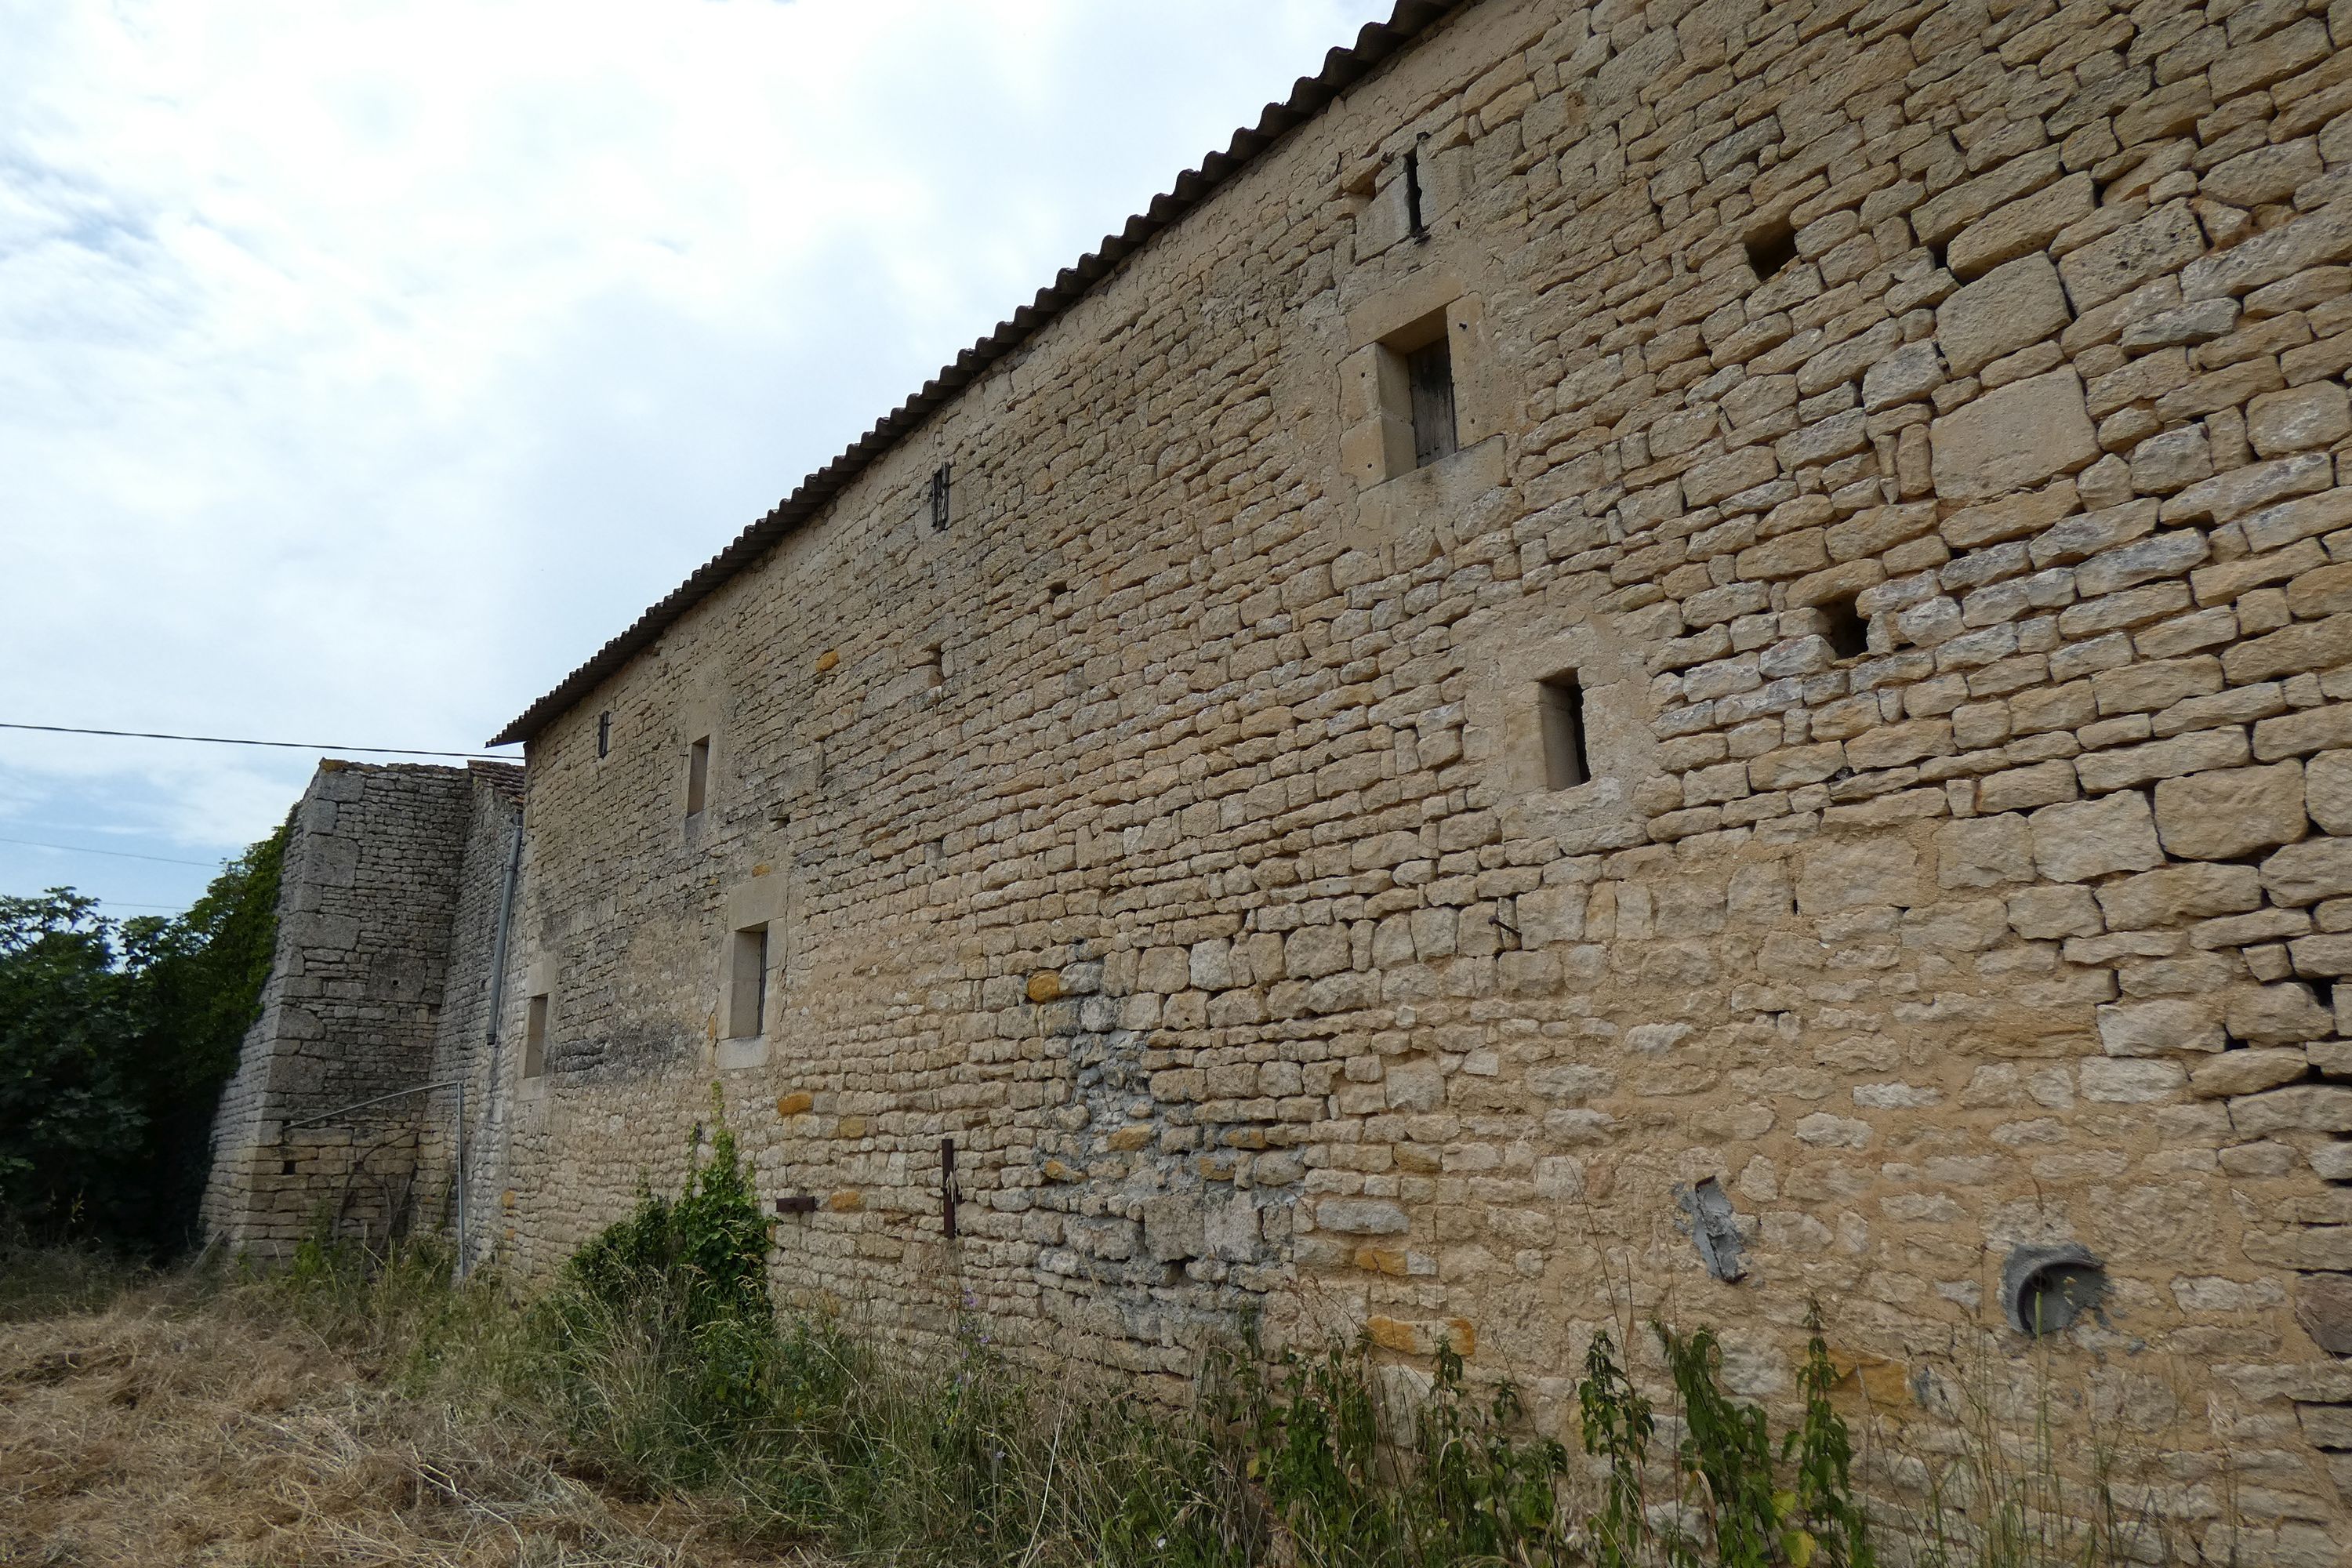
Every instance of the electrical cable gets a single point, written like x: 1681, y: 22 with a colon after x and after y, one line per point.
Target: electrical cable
x: 110, y: 853
x: 235, y: 741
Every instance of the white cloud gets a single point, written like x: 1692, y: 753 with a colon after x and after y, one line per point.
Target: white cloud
x: 364, y: 366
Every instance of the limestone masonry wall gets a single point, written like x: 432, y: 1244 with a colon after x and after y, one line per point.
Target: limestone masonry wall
x: 351, y: 1007
x: 1916, y: 428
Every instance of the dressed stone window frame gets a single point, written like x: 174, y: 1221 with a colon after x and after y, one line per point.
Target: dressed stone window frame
x: 1397, y: 484
x: 760, y: 902
x: 1514, y: 670
x: 536, y: 1028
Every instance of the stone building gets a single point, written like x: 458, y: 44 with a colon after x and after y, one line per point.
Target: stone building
x: 1671, y: 657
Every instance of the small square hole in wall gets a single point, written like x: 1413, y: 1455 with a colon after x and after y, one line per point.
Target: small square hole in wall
x: 1844, y: 628
x: 1770, y: 248
x: 534, y: 1037
x: 747, y: 984
x: 1560, y: 714
x: 698, y: 776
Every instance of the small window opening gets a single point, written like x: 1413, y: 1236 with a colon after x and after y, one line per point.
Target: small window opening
x: 698, y: 776
x: 1429, y: 372
x: 1560, y: 709
x: 285, y: 1167
x: 534, y: 1037
x: 942, y: 478
x: 1413, y: 225
x: 1846, y: 632
x: 1770, y: 248
x: 604, y: 734
x: 747, y: 991
x: 1935, y: 254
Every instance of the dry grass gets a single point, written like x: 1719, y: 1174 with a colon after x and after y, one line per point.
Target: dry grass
x: 177, y: 1425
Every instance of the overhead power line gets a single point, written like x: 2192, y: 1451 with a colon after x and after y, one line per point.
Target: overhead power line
x: 236, y: 741
x: 112, y: 854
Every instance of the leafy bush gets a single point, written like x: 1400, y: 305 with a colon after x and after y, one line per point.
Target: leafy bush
x: 659, y: 1344
x: 1465, y: 1483
x: 1730, y: 1476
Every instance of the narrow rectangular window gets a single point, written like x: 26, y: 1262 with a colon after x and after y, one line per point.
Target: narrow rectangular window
x: 1429, y: 372
x: 940, y: 479
x: 747, y: 992
x: 534, y: 1037
x: 698, y: 776
x: 1561, y: 708
x: 604, y: 734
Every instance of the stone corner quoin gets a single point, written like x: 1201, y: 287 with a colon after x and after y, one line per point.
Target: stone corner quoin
x: 1778, y: 611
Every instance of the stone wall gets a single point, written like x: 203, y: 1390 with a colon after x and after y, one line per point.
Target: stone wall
x: 1916, y: 425
x: 463, y: 1046
x: 352, y: 1006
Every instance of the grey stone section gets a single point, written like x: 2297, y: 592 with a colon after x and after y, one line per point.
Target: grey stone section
x: 372, y: 899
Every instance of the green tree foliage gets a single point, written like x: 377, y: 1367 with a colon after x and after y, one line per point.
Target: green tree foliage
x: 115, y: 1037
x: 72, y: 1017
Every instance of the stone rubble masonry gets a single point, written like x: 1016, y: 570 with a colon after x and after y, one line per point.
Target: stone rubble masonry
x: 1171, y: 831
x: 375, y: 924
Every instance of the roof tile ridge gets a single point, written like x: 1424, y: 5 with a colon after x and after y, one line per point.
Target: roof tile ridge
x: 1342, y: 69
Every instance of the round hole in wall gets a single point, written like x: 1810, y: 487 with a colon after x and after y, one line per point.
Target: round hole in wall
x: 2046, y: 1290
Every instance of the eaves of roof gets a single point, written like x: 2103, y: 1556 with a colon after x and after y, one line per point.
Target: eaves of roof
x: 1342, y: 69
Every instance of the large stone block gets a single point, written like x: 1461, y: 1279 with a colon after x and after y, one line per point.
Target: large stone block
x: 1841, y: 875
x: 2171, y: 894
x: 2045, y: 914
x: 2328, y: 791
x: 2322, y: 1305
x: 1364, y: 1216
x: 2235, y: 812
x: 2017, y: 303
x: 1173, y: 1227
x: 2013, y: 438
x: 2235, y: 1073
x: 2020, y: 227
x: 1985, y: 852
x: 2078, y: 840
x: 2291, y: 650
x: 2129, y: 766
x: 2298, y: 1107
x: 2307, y: 872
x: 2286, y: 1013
x: 2171, y: 1026
x: 2118, y: 1081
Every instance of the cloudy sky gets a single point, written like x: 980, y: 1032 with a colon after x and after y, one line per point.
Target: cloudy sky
x: 364, y: 366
